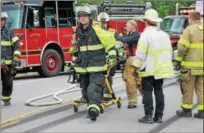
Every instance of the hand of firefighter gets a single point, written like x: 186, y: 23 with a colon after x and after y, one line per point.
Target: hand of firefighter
x: 135, y: 72
x: 15, y: 62
x: 112, y: 61
x: 177, y: 65
x: 119, y: 45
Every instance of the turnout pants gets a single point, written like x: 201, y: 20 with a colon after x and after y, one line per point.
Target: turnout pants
x: 130, y: 81
x: 92, y: 87
x: 189, y: 83
x: 148, y: 85
x: 7, y: 84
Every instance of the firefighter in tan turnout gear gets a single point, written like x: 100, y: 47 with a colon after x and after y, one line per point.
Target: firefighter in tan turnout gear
x: 190, y: 60
x: 10, y: 53
x: 131, y: 81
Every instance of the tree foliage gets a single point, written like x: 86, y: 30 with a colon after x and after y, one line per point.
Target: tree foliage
x: 164, y: 7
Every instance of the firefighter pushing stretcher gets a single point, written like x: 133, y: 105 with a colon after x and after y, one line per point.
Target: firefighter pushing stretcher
x: 92, y: 44
x: 103, y: 19
x: 10, y: 53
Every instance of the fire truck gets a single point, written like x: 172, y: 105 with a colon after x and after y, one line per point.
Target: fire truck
x: 45, y: 32
x: 175, y: 24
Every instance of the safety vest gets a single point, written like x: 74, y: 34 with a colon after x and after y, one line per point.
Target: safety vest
x: 190, y: 48
x: 93, y: 44
x: 153, y: 57
x: 10, y: 46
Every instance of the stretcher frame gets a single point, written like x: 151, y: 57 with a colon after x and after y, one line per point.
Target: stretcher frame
x: 104, y: 104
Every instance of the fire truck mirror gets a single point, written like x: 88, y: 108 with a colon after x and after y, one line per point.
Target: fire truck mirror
x: 36, y: 18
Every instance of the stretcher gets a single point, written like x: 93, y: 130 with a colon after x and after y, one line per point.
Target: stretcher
x: 114, y: 100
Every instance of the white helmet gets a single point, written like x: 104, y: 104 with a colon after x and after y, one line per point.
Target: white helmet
x: 83, y: 10
x: 152, y: 15
x: 103, y: 16
x: 4, y: 15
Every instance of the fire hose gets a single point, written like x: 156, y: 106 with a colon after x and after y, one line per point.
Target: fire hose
x: 72, y: 88
x: 55, y: 95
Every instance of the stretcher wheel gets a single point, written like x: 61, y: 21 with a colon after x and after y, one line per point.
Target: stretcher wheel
x: 119, y: 103
x: 75, y: 108
x: 101, y: 110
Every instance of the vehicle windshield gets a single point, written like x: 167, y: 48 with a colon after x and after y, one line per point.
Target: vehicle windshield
x: 173, y: 25
x: 14, y: 12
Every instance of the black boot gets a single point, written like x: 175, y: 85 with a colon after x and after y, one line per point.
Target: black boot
x: 158, y: 119
x: 132, y: 105
x: 93, y: 113
x: 200, y: 114
x: 146, y: 119
x: 184, y: 113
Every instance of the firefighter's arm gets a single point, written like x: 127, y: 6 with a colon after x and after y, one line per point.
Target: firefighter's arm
x: 183, y: 45
x: 16, y: 46
x: 129, y: 39
x: 142, y: 49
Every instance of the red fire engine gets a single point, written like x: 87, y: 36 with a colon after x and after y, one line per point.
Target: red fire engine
x: 45, y: 32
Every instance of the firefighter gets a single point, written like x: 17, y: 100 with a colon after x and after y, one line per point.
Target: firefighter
x: 190, y: 59
x: 153, y: 61
x: 130, y: 40
x: 10, y: 53
x: 104, y: 19
x: 93, y: 43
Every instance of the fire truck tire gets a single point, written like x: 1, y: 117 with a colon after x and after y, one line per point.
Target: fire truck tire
x: 51, y: 63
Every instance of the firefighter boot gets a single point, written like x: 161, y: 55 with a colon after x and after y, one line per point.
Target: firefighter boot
x: 184, y: 113
x: 132, y: 105
x: 146, y: 119
x: 200, y: 114
x: 158, y: 119
x: 93, y: 112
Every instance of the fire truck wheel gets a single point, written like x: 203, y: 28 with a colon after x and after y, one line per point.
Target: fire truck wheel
x: 51, y: 63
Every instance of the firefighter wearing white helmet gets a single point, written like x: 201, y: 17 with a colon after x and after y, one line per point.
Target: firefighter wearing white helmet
x: 92, y: 45
x: 153, y: 63
x: 10, y: 54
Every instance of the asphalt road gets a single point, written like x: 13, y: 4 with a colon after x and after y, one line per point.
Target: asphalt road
x: 61, y: 118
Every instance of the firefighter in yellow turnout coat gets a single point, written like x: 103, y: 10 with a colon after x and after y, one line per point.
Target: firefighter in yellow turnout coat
x: 190, y: 59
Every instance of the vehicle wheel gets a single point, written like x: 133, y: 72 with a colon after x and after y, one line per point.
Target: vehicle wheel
x: 51, y: 63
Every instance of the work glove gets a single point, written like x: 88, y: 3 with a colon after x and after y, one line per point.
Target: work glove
x: 177, y: 65
x: 112, y: 62
x: 135, y: 72
x: 15, y: 62
x: 119, y: 45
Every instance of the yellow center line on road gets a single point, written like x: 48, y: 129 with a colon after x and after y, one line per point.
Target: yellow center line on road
x: 10, y: 123
x: 16, y: 119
